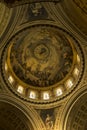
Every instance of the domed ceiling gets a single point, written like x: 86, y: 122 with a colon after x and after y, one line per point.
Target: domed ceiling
x: 42, y: 63
x: 76, y: 11
x: 77, y: 118
x: 13, y: 118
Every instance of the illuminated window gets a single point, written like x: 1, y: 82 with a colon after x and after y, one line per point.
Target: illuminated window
x: 32, y: 95
x: 11, y: 80
x: 59, y: 92
x: 76, y: 71
x: 6, y: 67
x: 20, y: 89
x: 69, y: 83
x: 78, y: 59
x: 46, y: 96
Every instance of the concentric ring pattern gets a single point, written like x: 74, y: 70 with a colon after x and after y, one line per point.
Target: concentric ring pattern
x: 42, y: 63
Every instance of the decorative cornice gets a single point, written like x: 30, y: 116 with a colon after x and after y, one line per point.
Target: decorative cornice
x: 12, y: 3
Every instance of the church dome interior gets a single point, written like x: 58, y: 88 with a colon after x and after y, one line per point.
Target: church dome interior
x: 43, y: 65
x: 12, y: 118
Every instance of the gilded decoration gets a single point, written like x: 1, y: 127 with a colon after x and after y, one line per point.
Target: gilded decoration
x: 42, y: 63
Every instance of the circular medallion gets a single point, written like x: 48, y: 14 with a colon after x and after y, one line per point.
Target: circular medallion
x: 41, y: 52
x: 42, y: 63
